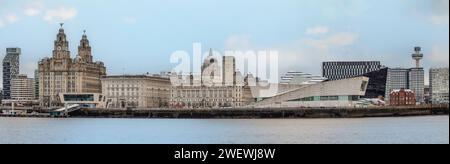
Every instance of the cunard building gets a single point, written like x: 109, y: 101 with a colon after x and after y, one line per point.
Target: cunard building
x: 215, y: 87
x: 62, y: 74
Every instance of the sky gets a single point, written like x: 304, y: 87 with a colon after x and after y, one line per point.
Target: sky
x: 139, y: 36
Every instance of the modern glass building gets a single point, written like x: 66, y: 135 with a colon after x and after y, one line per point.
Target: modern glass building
x: 347, y: 69
x: 417, y: 83
x: 377, y: 83
x: 10, y: 69
x: 402, y: 78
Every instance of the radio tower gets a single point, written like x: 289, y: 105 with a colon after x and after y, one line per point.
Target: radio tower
x: 417, y: 56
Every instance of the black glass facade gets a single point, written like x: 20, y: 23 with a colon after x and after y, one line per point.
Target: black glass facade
x: 377, y: 83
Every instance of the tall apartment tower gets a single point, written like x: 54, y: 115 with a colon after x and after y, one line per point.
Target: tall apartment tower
x: 11, y: 69
x: 347, y: 69
x: 417, y: 76
x: 397, y: 79
x: 36, y: 84
x: 439, y: 85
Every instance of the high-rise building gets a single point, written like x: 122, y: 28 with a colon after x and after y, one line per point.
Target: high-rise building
x: 229, y: 68
x: 412, y: 78
x: 439, y: 85
x: 62, y: 74
x: 347, y: 69
x: 416, y: 83
x: 36, y: 84
x: 22, y: 88
x: 377, y: 83
x: 397, y: 78
x: 10, y: 69
x: 300, y: 78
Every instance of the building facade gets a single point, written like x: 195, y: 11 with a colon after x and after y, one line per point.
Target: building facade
x: 337, y: 93
x: 62, y: 74
x: 397, y: 78
x: 22, y: 88
x: 136, y: 91
x: 377, y: 83
x: 439, y: 85
x: 416, y: 83
x: 215, y: 87
x: 347, y: 69
x: 413, y: 79
x: 36, y: 84
x: 402, y: 97
x: 229, y: 71
x: 11, y: 68
x: 300, y: 78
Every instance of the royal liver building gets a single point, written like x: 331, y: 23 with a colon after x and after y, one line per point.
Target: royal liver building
x: 62, y: 74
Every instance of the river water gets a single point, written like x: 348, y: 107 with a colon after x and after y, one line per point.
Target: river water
x: 433, y: 129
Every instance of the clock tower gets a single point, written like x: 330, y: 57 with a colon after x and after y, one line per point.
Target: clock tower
x: 84, y: 50
x: 61, y: 49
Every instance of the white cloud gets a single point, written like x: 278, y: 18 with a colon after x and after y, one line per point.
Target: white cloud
x: 440, y: 56
x: 240, y: 42
x: 8, y: 18
x: 440, y: 19
x: 439, y: 12
x: 319, y: 30
x: 28, y: 68
x: 304, y: 54
x: 11, y: 18
x: 60, y: 14
x: 129, y: 19
x: 33, y: 8
x: 335, y: 40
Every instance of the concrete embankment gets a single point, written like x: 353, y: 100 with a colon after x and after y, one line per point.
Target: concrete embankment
x: 263, y: 113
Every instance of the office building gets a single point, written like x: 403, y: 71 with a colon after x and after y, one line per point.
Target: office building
x: 439, y: 85
x: 337, y: 93
x: 22, y: 88
x: 347, y: 69
x: 11, y: 68
x: 136, y: 91
x: 301, y: 78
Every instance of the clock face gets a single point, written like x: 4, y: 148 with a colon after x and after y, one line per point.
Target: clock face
x: 59, y: 48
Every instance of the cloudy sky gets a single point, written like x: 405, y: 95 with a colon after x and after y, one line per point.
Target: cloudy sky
x: 138, y: 36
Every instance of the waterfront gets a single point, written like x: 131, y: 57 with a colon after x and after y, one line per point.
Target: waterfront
x: 429, y: 129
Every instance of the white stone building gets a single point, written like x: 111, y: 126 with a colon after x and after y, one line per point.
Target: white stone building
x: 136, y: 91
x: 22, y: 88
